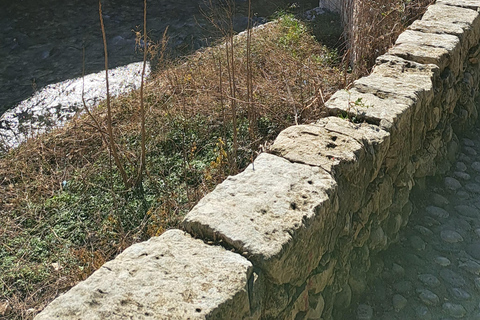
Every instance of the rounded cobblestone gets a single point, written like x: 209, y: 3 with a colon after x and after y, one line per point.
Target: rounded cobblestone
x: 437, y: 212
x: 462, y: 175
x: 460, y: 166
x: 444, y: 262
x: 399, y: 302
x: 428, y: 297
x: 459, y: 294
x: 455, y: 310
x: 471, y: 266
x: 451, y: 236
x: 429, y: 280
x: 473, y: 187
x: 476, y: 166
x: 452, y: 184
x: 439, y: 200
x: 364, y: 312
x: 468, y: 211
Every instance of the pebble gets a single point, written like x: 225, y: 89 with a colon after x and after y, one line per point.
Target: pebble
x: 477, y: 283
x: 464, y: 158
x: 460, y: 166
x: 473, y: 187
x: 423, y: 313
x: 399, y: 302
x: 452, y: 184
x: 417, y: 243
x: 364, y: 312
x: 477, y: 232
x: 459, y: 294
x: 470, y: 151
x: 428, y: 297
x: 451, y: 236
x: 462, y: 194
x: 429, y: 280
x: 476, y: 166
x: 398, y: 270
x: 462, y: 175
x: 439, y: 200
x: 423, y: 230
x: 454, y: 310
x: 429, y: 221
x: 452, y: 278
x: 468, y: 211
x: 403, y: 286
x: 444, y: 262
x: 471, y: 266
x: 473, y: 249
x: 437, y: 212
x: 468, y: 142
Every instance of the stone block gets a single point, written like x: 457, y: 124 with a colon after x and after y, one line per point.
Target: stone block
x: 351, y: 153
x: 397, y: 94
x: 459, y: 21
x: 280, y: 215
x: 429, y: 48
x: 470, y: 4
x: 143, y: 283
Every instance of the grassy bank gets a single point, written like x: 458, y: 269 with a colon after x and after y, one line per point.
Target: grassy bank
x: 64, y: 208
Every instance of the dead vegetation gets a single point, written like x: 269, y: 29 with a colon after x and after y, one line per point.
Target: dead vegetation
x: 64, y: 207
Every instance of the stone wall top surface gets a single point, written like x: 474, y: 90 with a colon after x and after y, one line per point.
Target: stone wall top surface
x: 270, y: 213
x: 143, y: 283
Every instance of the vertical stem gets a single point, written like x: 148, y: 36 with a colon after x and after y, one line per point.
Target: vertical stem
x: 112, y: 145
x: 251, y: 111
x: 141, y: 168
x: 233, y: 90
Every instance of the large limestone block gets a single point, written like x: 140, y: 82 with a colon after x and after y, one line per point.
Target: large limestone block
x: 279, y: 214
x: 461, y: 22
x: 428, y: 48
x: 352, y: 153
x: 395, y: 86
x: 169, y: 277
x: 397, y: 93
x: 471, y: 4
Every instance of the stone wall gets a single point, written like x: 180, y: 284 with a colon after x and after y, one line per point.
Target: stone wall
x: 293, y: 236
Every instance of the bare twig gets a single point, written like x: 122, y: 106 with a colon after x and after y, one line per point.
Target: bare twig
x: 112, y: 146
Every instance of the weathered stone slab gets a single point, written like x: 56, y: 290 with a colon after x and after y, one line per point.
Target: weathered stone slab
x: 461, y: 22
x: 352, y: 153
x: 143, y: 283
x: 471, y: 4
x: 397, y: 93
x: 394, y: 87
x: 278, y: 214
x: 428, y: 48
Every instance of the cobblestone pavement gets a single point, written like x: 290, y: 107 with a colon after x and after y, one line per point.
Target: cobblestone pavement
x: 433, y: 272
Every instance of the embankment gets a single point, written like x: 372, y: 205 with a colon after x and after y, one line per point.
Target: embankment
x: 292, y: 236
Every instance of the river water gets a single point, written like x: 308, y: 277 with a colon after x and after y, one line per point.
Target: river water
x: 44, y: 44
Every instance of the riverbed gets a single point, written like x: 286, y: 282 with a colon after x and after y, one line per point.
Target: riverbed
x: 46, y: 46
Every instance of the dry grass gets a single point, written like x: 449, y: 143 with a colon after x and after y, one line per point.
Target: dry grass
x: 374, y: 25
x: 63, y: 208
